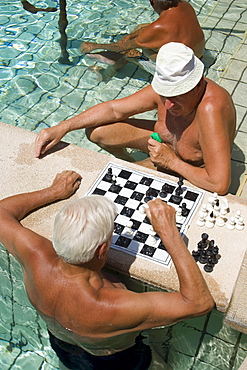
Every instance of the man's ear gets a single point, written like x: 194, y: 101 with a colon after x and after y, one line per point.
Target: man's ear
x: 101, y: 251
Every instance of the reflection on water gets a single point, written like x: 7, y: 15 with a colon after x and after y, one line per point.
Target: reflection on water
x: 33, y: 9
x: 44, y: 78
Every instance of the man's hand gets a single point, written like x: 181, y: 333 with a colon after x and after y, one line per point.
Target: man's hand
x: 86, y: 47
x: 46, y: 139
x: 161, y: 154
x: 65, y: 184
x: 163, y: 219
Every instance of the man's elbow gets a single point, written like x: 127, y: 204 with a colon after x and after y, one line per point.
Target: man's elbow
x: 221, y: 187
x: 205, y: 305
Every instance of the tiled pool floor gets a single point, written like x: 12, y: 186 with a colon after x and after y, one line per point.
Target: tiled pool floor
x: 197, y: 344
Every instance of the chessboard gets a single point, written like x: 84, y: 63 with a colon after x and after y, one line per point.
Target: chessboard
x: 130, y: 190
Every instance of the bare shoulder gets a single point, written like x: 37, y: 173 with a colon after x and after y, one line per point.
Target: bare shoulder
x: 213, y: 89
x: 216, y: 109
x: 217, y: 99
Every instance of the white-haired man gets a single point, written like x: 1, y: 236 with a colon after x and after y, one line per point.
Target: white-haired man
x: 196, y: 122
x: 95, y: 323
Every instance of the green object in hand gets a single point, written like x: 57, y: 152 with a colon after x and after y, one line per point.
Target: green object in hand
x: 156, y: 137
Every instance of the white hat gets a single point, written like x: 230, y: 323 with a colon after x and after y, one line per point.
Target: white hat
x: 178, y: 70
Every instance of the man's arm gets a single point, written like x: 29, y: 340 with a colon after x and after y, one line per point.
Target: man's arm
x: 17, y: 239
x: 100, y: 114
x: 129, y: 311
x: 150, y: 37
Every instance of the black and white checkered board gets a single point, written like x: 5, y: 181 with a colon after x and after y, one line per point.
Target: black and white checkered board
x: 128, y: 196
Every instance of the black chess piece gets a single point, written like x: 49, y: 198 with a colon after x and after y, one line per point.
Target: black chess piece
x: 196, y: 255
x: 179, y: 190
x: 203, y: 257
x: 185, y: 210
x: 163, y: 193
x: 204, y: 240
x: 109, y: 176
x: 208, y: 267
x: 114, y: 187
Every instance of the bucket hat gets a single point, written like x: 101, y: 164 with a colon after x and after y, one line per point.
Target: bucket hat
x: 178, y: 70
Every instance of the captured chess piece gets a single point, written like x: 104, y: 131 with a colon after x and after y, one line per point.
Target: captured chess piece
x: 201, y: 219
x: 239, y: 224
x: 207, y: 253
x: 210, y: 220
x: 230, y: 225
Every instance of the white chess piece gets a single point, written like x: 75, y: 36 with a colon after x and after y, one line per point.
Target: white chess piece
x: 128, y: 228
x: 226, y: 205
x: 152, y: 240
x: 220, y: 219
x: 210, y: 220
x: 237, y: 215
x: 210, y: 205
x: 201, y: 220
x: 204, y: 210
x: 231, y: 223
x: 216, y: 209
x: 143, y: 207
x: 211, y: 202
x: 179, y: 217
x: 240, y: 224
x: 223, y: 210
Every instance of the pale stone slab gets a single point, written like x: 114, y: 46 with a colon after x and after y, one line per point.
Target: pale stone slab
x: 22, y: 172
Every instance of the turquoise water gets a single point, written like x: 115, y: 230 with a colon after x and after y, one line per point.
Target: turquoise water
x: 37, y: 91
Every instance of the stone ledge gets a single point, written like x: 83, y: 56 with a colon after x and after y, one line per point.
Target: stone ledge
x: 21, y: 172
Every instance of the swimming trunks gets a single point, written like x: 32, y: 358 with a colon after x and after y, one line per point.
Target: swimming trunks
x: 137, y: 357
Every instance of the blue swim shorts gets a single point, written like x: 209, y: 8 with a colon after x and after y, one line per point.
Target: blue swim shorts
x: 137, y: 357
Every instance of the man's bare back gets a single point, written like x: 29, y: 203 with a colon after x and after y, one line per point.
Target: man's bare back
x: 80, y: 305
x: 177, y: 22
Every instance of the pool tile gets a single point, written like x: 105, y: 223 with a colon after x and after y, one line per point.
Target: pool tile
x: 239, y: 359
x: 238, y: 170
x: 241, y: 118
x: 243, y: 342
x: 179, y: 361
x: 216, y: 352
x: 8, y: 354
x: 239, y: 152
x: 239, y: 95
x: 217, y: 329
x: 235, y: 70
x: 228, y: 84
x: 199, y: 365
x: 185, y: 339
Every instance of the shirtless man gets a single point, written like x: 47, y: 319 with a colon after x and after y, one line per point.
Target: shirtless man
x: 93, y: 322
x: 196, y: 122
x: 177, y: 22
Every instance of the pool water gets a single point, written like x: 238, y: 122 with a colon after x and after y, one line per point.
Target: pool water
x: 37, y: 91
